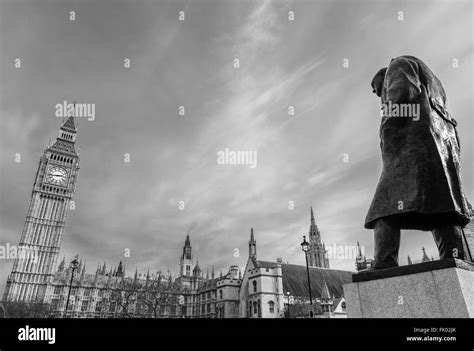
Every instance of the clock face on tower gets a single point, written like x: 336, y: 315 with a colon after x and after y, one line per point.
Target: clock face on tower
x: 56, y: 175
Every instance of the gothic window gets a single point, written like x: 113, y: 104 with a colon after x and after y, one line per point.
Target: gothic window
x: 255, y: 311
x: 85, y: 306
x: 254, y: 283
x: 271, y: 306
x: 57, y: 290
x: 220, y: 294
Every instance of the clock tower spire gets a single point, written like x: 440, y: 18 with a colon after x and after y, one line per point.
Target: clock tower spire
x: 51, y: 199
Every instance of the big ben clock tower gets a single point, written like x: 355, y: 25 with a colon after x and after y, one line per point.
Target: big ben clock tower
x: 51, y: 199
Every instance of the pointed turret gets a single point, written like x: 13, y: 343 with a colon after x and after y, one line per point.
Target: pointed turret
x: 83, y: 272
x: 409, y: 260
x: 252, y: 245
x: 118, y: 273
x: 69, y: 125
x: 325, y: 294
x: 317, y: 255
x: 103, y: 270
x: 212, y: 274
x: 197, y: 270
x: 326, y: 301
x: 66, y: 138
x: 62, y: 264
x: 314, y: 234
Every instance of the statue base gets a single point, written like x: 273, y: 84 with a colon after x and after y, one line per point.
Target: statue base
x: 435, y: 289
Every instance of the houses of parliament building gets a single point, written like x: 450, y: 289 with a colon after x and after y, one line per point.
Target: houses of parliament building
x: 263, y: 289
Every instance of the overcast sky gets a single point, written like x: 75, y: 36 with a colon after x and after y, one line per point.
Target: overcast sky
x: 190, y: 63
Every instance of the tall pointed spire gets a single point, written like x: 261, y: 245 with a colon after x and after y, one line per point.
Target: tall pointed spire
x: 252, y: 245
x: 325, y: 295
x: 317, y: 255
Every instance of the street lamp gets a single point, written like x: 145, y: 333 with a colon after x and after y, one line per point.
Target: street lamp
x: 73, y: 266
x: 288, y: 295
x: 305, y: 248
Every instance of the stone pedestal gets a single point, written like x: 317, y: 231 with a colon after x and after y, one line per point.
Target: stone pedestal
x: 435, y: 289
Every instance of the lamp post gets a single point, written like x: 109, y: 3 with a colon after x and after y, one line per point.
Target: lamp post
x: 288, y: 295
x: 305, y: 248
x: 73, y: 266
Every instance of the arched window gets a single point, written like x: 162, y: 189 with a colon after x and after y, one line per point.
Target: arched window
x: 220, y: 294
x: 271, y: 306
x: 255, y: 311
x: 254, y: 286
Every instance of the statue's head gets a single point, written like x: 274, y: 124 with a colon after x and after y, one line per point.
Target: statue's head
x: 377, y: 81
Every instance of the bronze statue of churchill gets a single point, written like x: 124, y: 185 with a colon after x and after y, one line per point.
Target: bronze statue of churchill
x: 420, y: 186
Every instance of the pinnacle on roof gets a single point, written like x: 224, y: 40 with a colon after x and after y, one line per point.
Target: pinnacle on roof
x: 325, y: 295
x: 251, y: 235
x: 69, y: 125
x: 409, y: 260
x: 312, y: 216
x: 197, y: 268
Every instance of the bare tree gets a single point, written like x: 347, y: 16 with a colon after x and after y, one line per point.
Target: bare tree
x: 159, y: 295
x: 124, y: 296
x: 19, y: 309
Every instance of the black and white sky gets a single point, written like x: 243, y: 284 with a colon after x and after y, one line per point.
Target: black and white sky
x: 190, y: 63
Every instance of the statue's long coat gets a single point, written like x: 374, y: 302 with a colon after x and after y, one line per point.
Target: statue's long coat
x: 420, y: 182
